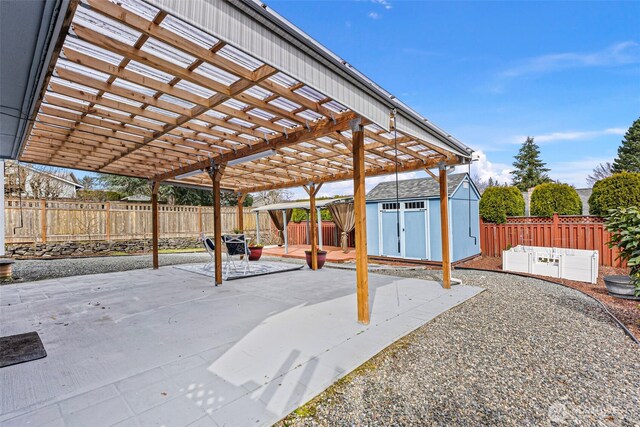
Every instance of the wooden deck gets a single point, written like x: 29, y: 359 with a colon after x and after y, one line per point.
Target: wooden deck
x: 334, y: 253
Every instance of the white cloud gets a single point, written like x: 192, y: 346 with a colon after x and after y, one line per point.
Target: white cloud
x: 374, y: 15
x: 569, y: 135
x: 383, y: 3
x: 485, y: 169
x: 622, y: 53
x: 575, y: 172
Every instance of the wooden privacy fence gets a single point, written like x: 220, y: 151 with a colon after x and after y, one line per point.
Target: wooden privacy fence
x: 573, y: 232
x: 30, y: 221
x: 297, y: 234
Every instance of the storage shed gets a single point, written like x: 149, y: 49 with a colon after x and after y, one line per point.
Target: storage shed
x: 419, y: 218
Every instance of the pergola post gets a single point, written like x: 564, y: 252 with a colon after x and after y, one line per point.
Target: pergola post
x: 359, y: 205
x: 444, y: 226
x: 258, y: 227
x: 215, y: 172
x: 284, y: 231
x: 312, y: 190
x: 240, y: 213
x: 319, y: 228
x: 155, y: 218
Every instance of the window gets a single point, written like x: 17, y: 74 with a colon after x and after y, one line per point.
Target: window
x: 389, y: 206
x: 414, y: 205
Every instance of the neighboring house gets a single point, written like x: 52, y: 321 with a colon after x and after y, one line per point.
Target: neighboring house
x: 137, y: 198
x: 584, y: 194
x: 30, y: 182
x: 420, y: 236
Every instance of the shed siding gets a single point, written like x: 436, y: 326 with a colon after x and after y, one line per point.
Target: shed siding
x: 372, y: 229
x: 464, y: 245
x: 435, y: 234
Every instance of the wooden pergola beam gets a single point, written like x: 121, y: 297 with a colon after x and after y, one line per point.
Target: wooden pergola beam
x: 297, y: 136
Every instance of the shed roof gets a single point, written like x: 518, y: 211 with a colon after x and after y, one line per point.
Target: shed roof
x: 163, y: 89
x: 413, y: 188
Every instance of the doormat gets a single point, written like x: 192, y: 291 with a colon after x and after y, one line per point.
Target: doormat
x: 255, y: 269
x: 21, y: 348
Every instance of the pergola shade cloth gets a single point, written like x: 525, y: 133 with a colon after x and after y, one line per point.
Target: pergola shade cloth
x: 278, y: 221
x: 344, y: 217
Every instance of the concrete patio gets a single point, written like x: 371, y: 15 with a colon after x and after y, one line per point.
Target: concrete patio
x: 165, y: 347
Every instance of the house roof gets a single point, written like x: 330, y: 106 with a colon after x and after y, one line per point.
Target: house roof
x: 413, y: 188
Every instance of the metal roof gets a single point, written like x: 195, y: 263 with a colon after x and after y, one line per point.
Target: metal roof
x: 164, y: 89
x: 304, y: 204
x: 414, y: 188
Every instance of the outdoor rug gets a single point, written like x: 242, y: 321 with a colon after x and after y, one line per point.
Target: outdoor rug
x: 256, y: 269
x: 20, y: 348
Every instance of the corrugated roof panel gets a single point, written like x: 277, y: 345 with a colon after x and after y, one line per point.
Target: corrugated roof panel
x: 216, y: 74
x: 149, y: 72
x: 189, y: 32
x: 240, y: 58
x: 196, y: 89
x: 168, y: 53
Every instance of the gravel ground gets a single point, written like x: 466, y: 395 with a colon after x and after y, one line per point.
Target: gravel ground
x: 28, y: 270
x: 525, y: 353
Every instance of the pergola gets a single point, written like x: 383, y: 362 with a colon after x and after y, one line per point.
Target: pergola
x: 225, y: 95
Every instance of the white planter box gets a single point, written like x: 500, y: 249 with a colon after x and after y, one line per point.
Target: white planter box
x: 572, y: 264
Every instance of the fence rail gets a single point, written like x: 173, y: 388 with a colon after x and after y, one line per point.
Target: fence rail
x: 30, y: 221
x: 572, y: 232
x: 298, y: 234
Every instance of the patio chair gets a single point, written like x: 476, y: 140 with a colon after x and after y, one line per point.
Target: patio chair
x: 210, y: 248
x: 237, y: 251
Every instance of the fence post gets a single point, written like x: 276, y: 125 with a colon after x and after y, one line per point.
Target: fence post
x: 107, y: 207
x: 555, y: 230
x: 199, y: 220
x: 43, y: 220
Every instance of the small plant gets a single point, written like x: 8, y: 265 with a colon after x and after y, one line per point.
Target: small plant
x: 624, y: 226
x: 237, y: 231
x: 257, y: 246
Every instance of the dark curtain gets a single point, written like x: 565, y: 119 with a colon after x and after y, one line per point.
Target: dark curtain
x: 278, y: 221
x: 344, y: 218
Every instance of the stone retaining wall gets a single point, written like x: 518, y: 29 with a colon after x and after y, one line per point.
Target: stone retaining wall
x: 71, y: 249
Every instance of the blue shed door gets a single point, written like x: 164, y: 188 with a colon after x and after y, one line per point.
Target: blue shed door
x: 388, y: 230
x: 415, y: 230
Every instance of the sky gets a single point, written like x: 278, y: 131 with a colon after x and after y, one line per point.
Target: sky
x: 493, y: 73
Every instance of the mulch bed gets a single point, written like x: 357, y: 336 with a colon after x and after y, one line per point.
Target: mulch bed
x: 628, y: 312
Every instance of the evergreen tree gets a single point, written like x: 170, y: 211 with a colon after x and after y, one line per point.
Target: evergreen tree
x: 529, y: 168
x: 629, y: 152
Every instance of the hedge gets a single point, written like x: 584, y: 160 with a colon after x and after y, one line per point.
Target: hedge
x: 550, y: 198
x: 621, y: 190
x: 497, y: 203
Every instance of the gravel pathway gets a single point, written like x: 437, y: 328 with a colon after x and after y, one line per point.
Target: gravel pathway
x: 28, y: 270
x: 525, y: 353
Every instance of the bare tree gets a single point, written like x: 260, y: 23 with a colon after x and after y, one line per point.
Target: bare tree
x: 45, y: 185
x: 603, y: 170
x: 15, y: 177
x: 273, y: 196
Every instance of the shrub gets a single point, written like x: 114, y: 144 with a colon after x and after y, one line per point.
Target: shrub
x: 497, y: 203
x: 624, y: 226
x: 550, y: 198
x: 621, y: 190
